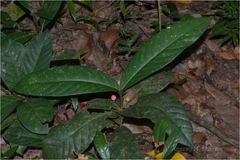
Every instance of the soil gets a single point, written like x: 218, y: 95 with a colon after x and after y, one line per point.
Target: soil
x: 210, y: 94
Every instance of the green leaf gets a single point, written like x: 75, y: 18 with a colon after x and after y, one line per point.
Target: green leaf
x: 162, y: 49
x: 172, y: 142
x: 11, y: 120
x: 87, y: 3
x: 21, y: 150
x: 9, y: 153
x: 159, y: 131
x: 39, y: 54
x: 153, y: 84
x: 12, y: 59
x: 134, y: 39
x: 103, y: 104
x: 20, y: 37
x: 101, y: 145
x: 66, y: 55
x: 8, y: 104
x: 76, y: 134
x: 14, y: 11
x: 34, y: 113
x: 72, y: 9
x: 6, y: 20
x: 74, y: 102
x: 66, y: 81
x: 25, y: 4
x: 163, y: 106
x: 19, y: 135
x: 123, y: 145
x: 50, y: 9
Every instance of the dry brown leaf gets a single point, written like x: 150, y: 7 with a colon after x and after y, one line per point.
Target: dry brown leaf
x: 212, y: 45
x: 130, y: 98
x: 136, y: 129
x: 225, y: 55
x: 197, y: 66
x: 108, y: 38
x: 236, y: 52
x: 80, y: 156
x: 199, y: 137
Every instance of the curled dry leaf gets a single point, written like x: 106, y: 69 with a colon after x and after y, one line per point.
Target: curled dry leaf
x: 130, y: 98
x: 197, y: 66
x: 225, y: 55
x: 108, y: 38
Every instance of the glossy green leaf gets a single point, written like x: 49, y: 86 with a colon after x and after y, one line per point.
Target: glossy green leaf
x: 72, y: 9
x: 159, y: 131
x: 103, y: 104
x: 87, y: 3
x: 20, y: 37
x: 25, y: 4
x: 172, y: 142
x: 12, y: 59
x: 163, y: 106
x: 39, y: 54
x: 66, y: 81
x: 123, y: 145
x: 101, y: 145
x: 162, y: 49
x: 34, y: 113
x: 19, y: 135
x: 76, y: 134
x: 8, y: 104
x: 153, y: 84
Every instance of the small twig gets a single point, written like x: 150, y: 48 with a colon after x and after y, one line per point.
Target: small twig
x: 213, y: 129
x: 159, y: 15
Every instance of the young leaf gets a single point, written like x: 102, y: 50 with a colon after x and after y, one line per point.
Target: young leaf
x: 159, y: 131
x: 163, y: 106
x: 72, y: 9
x: 172, y: 142
x: 8, y: 104
x: 66, y: 81
x: 101, y: 145
x: 34, y: 114
x: 123, y: 145
x: 19, y: 135
x: 103, y: 104
x: 39, y: 54
x: 12, y: 59
x: 76, y: 134
x: 162, y: 49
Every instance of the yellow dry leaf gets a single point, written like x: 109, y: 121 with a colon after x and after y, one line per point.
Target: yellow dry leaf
x: 158, y: 155
x: 183, y: 1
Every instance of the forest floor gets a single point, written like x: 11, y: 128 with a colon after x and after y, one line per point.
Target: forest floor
x: 211, y: 91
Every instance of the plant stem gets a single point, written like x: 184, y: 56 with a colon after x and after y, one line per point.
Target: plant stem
x: 159, y: 15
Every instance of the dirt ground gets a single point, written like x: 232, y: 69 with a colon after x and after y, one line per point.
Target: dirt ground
x: 211, y: 91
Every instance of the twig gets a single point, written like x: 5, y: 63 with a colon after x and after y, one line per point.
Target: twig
x: 159, y: 15
x: 213, y: 129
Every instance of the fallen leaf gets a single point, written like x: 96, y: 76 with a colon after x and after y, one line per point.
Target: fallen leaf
x: 225, y: 55
x: 197, y: 66
x: 130, y: 98
x: 136, y: 129
x: 108, y: 38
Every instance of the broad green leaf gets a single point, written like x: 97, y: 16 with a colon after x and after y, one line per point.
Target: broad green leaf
x: 162, y: 49
x: 123, y: 145
x: 14, y: 11
x: 153, y: 84
x: 25, y: 4
x: 172, y: 142
x: 76, y: 134
x: 8, y: 104
x: 103, y: 104
x: 39, y: 54
x: 19, y: 135
x: 34, y: 115
x: 101, y: 145
x: 159, y: 131
x: 163, y: 106
x: 12, y: 59
x: 49, y: 11
x: 20, y: 37
x: 6, y: 20
x: 11, y: 120
x: 66, y: 81
x: 72, y: 9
